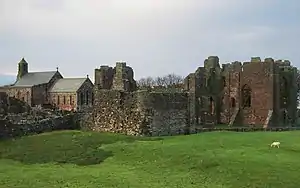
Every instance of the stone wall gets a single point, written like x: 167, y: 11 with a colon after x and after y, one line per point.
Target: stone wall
x: 138, y: 113
x: 16, y: 125
x: 12, y: 105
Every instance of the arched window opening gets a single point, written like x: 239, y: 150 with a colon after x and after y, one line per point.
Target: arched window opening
x: 212, y: 105
x: 232, y: 102
x: 246, y: 96
x: 87, y: 97
x: 81, y: 99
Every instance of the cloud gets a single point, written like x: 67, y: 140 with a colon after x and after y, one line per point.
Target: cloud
x: 155, y: 37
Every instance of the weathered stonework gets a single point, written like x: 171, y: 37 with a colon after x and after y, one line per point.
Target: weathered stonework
x: 12, y: 126
x: 73, y: 101
x: 139, y: 113
x: 256, y: 93
x: 260, y: 83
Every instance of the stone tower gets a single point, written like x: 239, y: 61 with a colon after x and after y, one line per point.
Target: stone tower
x: 22, y: 68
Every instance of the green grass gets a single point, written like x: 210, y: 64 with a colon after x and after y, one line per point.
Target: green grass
x: 218, y: 159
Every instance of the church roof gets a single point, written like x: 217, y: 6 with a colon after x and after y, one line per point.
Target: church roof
x: 34, y: 78
x: 67, y: 85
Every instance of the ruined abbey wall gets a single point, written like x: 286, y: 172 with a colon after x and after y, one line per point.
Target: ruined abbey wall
x: 139, y: 113
x: 260, y: 93
x: 255, y: 93
x: 119, y: 107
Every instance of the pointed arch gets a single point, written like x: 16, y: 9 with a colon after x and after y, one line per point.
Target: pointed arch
x: 246, y: 96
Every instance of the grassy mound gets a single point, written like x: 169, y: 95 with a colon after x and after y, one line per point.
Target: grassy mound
x: 83, y: 159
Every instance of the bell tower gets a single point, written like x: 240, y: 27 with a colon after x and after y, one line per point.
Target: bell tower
x: 22, y: 68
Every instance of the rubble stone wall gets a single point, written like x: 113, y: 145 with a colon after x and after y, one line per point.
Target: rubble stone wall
x: 13, y: 126
x: 138, y: 113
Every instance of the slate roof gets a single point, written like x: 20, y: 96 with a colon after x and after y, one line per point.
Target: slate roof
x: 67, y: 85
x: 34, y: 78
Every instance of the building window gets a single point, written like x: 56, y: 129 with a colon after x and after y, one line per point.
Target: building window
x: 232, y: 102
x: 212, y: 105
x: 87, y: 97
x: 71, y: 102
x: 65, y: 100
x: 58, y: 100
x: 246, y: 96
x: 81, y: 99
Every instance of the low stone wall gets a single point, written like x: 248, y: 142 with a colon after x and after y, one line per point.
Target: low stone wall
x: 10, y: 129
x: 138, y: 113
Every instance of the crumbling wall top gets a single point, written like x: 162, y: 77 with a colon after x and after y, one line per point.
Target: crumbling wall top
x: 211, y: 62
x: 255, y: 59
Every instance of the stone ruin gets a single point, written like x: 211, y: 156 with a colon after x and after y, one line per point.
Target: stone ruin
x: 254, y: 94
x: 257, y: 93
x: 17, y: 118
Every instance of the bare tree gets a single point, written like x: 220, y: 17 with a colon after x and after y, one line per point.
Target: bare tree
x: 160, y: 81
x: 173, y: 80
x: 169, y: 80
x: 145, y: 82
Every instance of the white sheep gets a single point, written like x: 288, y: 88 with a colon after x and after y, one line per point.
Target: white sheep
x: 275, y: 144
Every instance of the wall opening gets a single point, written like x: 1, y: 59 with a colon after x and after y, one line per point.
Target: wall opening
x: 246, y: 96
x: 71, y: 101
x: 87, y: 97
x: 284, y: 92
x: 81, y: 99
x: 232, y: 102
x: 212, y: 105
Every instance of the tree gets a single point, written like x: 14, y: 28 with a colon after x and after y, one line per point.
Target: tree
x: 170, y: 80
x: 145, y: 82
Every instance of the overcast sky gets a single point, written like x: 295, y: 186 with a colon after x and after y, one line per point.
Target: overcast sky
x: 154, y: 37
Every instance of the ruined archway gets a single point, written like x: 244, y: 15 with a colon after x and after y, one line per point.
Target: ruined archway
x: 246, y: 96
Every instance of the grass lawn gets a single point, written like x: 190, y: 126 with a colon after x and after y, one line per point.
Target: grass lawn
x: 217, y: 159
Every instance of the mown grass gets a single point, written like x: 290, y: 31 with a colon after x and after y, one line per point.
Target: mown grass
x: 218, y: 159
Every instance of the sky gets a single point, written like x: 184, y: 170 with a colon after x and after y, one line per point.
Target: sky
x: 154, y: 37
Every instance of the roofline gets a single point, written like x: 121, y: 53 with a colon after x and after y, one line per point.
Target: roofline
x: 41, y: 71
